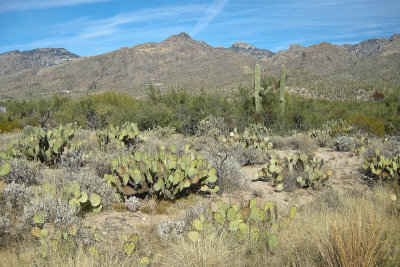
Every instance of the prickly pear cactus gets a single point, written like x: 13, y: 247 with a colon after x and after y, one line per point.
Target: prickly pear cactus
x: 381, y: 168
x: 80, y: 200
x: 251, y: 222
x: 4, y: 169
x: 165, y: 175
x: 124, y: 135
x: 311, y: 171
x: 44, y: 146
x: 254, y: 136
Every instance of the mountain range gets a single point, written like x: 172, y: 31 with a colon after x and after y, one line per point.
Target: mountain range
x: 180, y: 61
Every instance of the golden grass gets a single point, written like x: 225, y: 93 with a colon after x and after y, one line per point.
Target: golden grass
x: 217, y: 251
x: 361, y: 230
x: 338, y: 229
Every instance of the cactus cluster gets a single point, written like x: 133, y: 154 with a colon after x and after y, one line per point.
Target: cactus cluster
x: 249, y: 223
x: 247, y: 139
x: 80, y: 200
x: 43, y: 145
x: 381, y: 168
x: 333, y: 128
x: 164, y: 174
x: 272, y: 171
x: 53, y: 237
x: 310, y: 171
x: 124, y: 135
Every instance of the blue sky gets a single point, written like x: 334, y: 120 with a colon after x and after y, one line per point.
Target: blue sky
x: 92, y: 27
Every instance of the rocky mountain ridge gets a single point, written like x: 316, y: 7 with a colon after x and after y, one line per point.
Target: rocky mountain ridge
x: 250, y: 50
x: 33, y: 60
x: 180, y: 61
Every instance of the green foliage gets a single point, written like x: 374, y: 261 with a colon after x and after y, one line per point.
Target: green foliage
x: 282, y: 91
x: 254, y: 136
x: 381, y: 168
x: 130, y: 244
x: 183, y: 111
x: 333, y: 128
x: 44, y: 146
x: 4, y: 169
x: 165, y: 175
x: 272, y: 171
x: 250, y: 223
x: 310, y: 171
x: 257, y: 89
x: 124, y: 135
x: 79, y: 200
x: 367, y: 124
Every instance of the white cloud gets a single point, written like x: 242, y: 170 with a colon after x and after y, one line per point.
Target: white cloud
x: 212, y: 11
x: 13, y: 5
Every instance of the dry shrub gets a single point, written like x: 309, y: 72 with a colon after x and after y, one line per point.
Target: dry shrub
x: 353, y: 242
x: 390, y: 148
x: 361, y: 231
x: 206, y: 252
x: 303, y: 143
x: 279, y: 142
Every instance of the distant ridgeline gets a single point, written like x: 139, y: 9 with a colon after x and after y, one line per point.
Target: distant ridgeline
x: 319, y: 71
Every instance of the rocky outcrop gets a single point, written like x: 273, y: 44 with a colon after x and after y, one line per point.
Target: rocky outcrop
x: 250, y: 50
x: 33, y: 60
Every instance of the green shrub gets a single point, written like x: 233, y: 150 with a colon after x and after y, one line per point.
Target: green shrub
x: 367, y: 124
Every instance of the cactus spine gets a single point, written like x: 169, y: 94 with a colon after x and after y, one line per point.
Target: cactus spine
x: 282, y: 89
x: 257, y: 89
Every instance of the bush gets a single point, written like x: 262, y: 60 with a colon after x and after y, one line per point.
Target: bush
x: 133, y: 204
x: 171, y: 230
x: 212, y: 126
x: 73, y: 160
x: 343, y: 143
x: 53, y: 210
x: 22, y: 172
x: 368, y: 124
x: 225, y: 160
x: 303, y: 143
x: 16, y: 196
x: 323, y: 140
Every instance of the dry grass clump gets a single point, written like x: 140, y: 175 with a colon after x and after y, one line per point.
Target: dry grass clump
x: 303, y: 143
x: 323, y: 140
x: 206, y: 252
x: 361, y: 231
x: 279, y: 142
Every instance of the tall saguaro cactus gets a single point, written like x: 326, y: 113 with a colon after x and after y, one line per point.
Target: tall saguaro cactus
x: 257, y: 89
x: 282, y: 90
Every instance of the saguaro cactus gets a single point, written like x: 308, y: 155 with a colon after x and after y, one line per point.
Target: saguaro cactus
x: 257, y: 89
x: 282, y: 89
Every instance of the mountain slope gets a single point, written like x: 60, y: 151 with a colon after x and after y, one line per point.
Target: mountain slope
x: 15, y: 61
x: 177, y: 61
x: 324, y: 70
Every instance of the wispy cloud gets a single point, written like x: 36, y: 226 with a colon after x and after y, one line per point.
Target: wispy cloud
x: 212, y: 11
x: 14, y: 5
x: 142, y: 24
